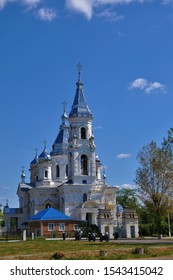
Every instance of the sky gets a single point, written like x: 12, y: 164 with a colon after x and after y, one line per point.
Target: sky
x: 126, y: 51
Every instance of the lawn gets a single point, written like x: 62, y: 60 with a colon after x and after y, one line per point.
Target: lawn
x: 41, y: 249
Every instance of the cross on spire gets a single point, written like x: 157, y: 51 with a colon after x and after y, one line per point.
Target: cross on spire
x: 79, y: 67
x: 64, y: 103
x: 36, y: 151
x: 45, y: 143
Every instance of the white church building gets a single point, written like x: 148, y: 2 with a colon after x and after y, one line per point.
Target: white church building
x: 69, y: 178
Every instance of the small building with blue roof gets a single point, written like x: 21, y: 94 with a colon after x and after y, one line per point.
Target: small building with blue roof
x: 52, y: 223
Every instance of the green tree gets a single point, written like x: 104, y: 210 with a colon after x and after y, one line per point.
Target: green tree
x: 1, y: 216
x: 154, y: 178
x: 127, y: 198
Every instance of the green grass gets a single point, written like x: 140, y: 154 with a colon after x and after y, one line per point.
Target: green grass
x: 70, y: 249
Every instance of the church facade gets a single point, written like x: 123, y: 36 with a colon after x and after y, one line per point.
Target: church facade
x: 69, y: 178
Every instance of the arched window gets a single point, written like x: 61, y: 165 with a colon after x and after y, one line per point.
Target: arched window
x: 57, y: 171
x: 48, y: 205
x: 46, y: 174
x: 83, y: 133
x: 84, y: 165
x: 84, y: 197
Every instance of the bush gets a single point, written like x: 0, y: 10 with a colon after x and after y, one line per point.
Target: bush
x: 147, y: 230
x: 85, y: 228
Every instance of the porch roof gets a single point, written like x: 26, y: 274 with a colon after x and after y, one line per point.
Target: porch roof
x: 50, y: 214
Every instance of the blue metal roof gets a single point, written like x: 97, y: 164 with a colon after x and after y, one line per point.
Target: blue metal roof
x: 44, y: 155
x: 60, y: 145
x: 79, y: 107
x: 50, y: 214
x: 34, y: 161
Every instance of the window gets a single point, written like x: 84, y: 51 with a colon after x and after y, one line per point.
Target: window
x: 61, y: 226
x: 57, y: 171
x: 50, y: 226
x: 84, y: 181
x: 83, y: 133
x: 84, y: 197
x: 76, y: 227
x: 84, y: 165
x: 46, y: 174
x: 48, y: 205
x: 66, y: 170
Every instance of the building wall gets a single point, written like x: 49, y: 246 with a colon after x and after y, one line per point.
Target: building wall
x: 42, y: 228
x: 130, y: 223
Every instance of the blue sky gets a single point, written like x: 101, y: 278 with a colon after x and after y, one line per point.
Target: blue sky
x: 126, y: 49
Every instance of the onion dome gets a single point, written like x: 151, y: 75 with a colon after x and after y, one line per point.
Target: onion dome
x: 60, y: 145
x: 104, y: 176
x: 44, y: 155
x: 35, y: 160
x: 6, y: 208
x: 23, y: 176
x: 97, y: 158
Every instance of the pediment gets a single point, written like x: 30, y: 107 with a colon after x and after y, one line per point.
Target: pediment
x: 90, y: 204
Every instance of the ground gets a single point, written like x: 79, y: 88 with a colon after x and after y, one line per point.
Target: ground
x: 42, y: 249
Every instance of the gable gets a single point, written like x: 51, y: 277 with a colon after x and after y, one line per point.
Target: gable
x: 50, y: 214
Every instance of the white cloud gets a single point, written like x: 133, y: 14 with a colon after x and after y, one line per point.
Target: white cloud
x: 100, y: 8
x: 87, y: 6
x: 28, y: 3
x: 154, y: 86
x: 31, y: 2
x: 139, y: 83
x: 122, y: 156
x: 148, y: 87
x: 126, y: 186
x: 82, y: 6
x: 109, y: 15
x: 46, y: 14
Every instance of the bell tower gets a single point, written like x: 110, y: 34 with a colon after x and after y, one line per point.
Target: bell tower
x: 82, y: 158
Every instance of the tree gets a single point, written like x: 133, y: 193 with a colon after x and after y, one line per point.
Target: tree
x: 1, y: 217
x: 154, y: 178
x: 127, y: 198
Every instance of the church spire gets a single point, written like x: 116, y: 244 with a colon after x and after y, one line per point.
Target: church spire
x: 79, y: 107
x: 79, y: 67
x: 60, y: 145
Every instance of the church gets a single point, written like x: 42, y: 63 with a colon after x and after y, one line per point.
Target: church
x: 70, y: 178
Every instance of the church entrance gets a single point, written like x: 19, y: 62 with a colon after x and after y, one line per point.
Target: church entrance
x: 89, y: 218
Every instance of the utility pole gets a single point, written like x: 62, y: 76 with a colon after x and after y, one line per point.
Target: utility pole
x: 169, y: 226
